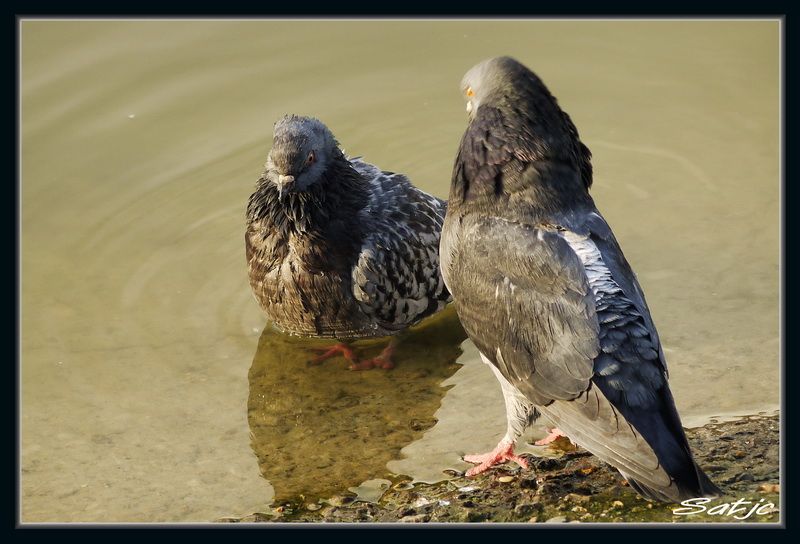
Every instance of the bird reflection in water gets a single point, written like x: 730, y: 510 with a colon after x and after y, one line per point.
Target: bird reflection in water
x: 317, y: 430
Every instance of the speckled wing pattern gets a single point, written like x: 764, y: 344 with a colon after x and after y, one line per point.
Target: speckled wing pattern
x: 396, y: 279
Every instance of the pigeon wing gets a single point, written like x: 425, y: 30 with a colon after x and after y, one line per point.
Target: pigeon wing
x: 591, y: 366
x: 396, y: 278
x: 523, y: 298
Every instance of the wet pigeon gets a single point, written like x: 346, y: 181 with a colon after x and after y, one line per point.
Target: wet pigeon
x: 545, y: 293
x: 338, y: 248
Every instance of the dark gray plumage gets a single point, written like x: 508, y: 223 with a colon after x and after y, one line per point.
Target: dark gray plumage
x: 545, y: 293
x: 335, y: 246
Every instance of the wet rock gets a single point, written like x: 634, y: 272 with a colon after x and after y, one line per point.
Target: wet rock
x: 547, y: 464
x: 526, y: 509
x: 580, y: 499
x: 477, y: 516
x: 565, y: 492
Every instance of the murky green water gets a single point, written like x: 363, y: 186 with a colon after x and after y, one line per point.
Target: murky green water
x: 148, y: 391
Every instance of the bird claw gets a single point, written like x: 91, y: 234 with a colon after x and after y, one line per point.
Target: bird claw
x: 327, y: 353
x: 554, y: 435
x: 501, y: 454
x: 383, y: 360
x: 377, y: 362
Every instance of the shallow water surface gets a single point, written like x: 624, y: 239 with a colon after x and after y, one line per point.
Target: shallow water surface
x: 150, y: 389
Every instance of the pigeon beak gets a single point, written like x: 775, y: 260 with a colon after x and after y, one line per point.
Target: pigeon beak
x: 285, y: 185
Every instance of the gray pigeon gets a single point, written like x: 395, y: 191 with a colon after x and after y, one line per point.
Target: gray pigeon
x: 338, y: 248
x: 543, y: 290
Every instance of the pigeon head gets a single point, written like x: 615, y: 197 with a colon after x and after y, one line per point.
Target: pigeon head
x: 301, y: 150
x: 494, y: 80
x: 481, y: 80
x: 529, y: 110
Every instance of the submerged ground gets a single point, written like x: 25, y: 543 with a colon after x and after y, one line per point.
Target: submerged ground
x: 742, y: 457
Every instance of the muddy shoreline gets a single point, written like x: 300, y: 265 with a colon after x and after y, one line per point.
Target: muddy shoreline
x: 741, y: 456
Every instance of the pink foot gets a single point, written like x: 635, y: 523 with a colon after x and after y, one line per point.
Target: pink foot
x: 502, y: 453
x: 383, y: 360
x: 327, y: 353
x: 554, y: 434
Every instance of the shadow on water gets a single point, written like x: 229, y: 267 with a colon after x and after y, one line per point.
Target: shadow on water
x: 318, y: 429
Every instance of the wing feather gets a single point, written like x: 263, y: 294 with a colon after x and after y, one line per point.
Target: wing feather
x: 396, y: 278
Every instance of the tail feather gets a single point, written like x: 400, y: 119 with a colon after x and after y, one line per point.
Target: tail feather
x: 594, y: 423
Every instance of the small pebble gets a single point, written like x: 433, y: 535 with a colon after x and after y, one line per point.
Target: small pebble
x: 578, y: 509
x: 339, y: 500
x: 505, y: 479
x: 422, y: 501
x: 313, y: 507
x: 617, y: 504
x: 557, y: 519
x: 769, y: 488
x: 419, y: 518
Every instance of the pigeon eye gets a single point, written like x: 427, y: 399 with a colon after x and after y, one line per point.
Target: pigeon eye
x: 311, y: 158
x: 470, y: 93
